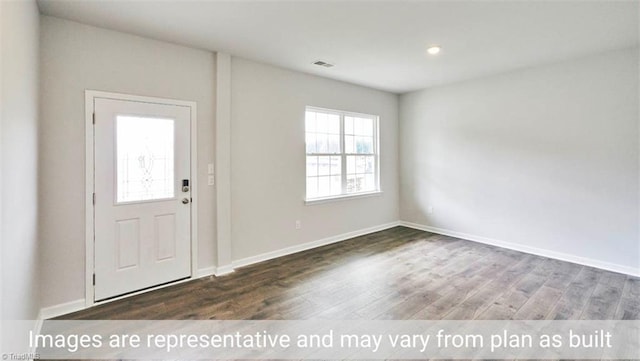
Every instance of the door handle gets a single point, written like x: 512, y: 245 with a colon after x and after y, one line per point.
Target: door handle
x: 185, y: 200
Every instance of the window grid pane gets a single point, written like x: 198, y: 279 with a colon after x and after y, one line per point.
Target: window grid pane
x: 322, y: 133
x: 312, y: 166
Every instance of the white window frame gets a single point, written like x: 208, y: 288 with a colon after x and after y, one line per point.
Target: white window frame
x: 343, y: 156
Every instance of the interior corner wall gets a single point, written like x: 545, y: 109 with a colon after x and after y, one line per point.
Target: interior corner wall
x: 76, y: 57
x: 19, y: 274
x: 268, y: 159
x: 545, y: 158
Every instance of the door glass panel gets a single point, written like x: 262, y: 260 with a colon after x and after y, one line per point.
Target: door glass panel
x: 144, y: 148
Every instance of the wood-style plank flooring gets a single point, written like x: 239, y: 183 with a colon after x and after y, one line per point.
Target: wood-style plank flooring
x: 398, y: 273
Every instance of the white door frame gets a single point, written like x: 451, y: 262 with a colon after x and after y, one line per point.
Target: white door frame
x: 90, y: 96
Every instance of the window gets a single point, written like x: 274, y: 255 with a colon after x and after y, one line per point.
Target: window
x: 144, y: 162
x: 342, y: 153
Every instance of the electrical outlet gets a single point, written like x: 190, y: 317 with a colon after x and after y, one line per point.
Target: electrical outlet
x: 298, y: 225
x: 210, y: 180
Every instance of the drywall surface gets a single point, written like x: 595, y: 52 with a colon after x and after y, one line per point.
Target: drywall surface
x: 268, y: 159
x: 545, y: 158
x: 19, y: 161
x: 77, y: 57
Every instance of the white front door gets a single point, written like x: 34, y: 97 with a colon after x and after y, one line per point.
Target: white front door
x: 142, y: 195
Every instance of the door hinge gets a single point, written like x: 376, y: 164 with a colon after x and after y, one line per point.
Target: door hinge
x: 94, y: 279
x: 94, y: 118
x: 94, y: 199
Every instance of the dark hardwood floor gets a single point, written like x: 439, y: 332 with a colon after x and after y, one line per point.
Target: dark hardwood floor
x: 398, y: 273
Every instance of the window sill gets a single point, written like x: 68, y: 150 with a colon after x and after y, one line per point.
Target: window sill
x: 310, y: 202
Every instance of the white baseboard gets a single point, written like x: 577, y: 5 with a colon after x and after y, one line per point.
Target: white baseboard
x: 206, y: 272
x: 61, y: 309
x: 528, y: 249
x: 215, y: 271
x: 309, y: 245
x: 77, y: 305
x: 224, y: 270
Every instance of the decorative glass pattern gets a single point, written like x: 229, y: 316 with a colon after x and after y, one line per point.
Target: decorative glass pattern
x: 145, y: 158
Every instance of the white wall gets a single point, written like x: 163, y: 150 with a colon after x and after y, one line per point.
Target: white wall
x: 19, y: 151
x: 268, y: 159
x: 76, y: 57
x: 545, y: 158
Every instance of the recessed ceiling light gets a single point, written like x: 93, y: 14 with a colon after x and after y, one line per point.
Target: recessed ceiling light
x: 433, y: 50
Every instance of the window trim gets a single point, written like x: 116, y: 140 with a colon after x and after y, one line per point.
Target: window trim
x: 342, y: 197
x: 343, y: 156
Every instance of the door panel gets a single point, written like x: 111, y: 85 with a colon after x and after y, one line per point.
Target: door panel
x: 127, y: 243
x: 165, y: 236
x: 142, y: 225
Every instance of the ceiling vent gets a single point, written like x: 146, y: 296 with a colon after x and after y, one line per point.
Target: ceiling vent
x: 322, y: 63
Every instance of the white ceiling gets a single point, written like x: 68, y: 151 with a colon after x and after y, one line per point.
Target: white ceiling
x: 377, y: 44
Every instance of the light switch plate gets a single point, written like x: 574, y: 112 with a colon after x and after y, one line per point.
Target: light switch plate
x: 210, y: 180
x: 210, y: 168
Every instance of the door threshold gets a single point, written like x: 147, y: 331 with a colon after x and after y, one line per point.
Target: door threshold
x: 141, y: 291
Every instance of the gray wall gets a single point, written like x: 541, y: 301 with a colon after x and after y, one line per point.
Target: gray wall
x: 19, y: 298
x: 76, y: 57
x: 544, y: 158
x: 268, y: 159
x: 267, y: 124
